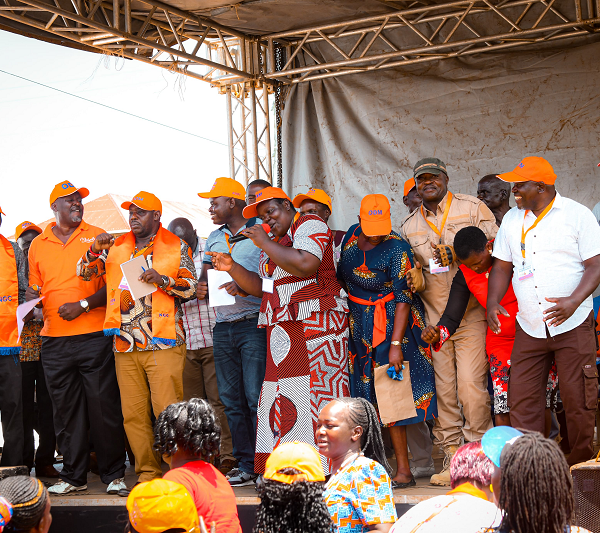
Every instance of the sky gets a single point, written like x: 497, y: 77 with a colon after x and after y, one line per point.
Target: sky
x: 47, y: 137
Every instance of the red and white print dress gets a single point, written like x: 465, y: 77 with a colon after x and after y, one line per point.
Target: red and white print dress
x: 307, y: 343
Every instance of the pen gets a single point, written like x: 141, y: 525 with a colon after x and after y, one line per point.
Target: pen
x: 144, y: 270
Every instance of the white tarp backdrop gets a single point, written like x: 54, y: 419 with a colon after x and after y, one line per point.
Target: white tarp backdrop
x: 361, y: 134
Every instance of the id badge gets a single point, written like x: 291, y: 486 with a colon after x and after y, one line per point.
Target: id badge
x: 268, y: 285
x: 524, y: 272
x: 124, y: 285
x: 434, y: 268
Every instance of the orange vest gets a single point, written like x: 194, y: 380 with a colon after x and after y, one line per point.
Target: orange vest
x: 9, y: 299
x: 166, y: 258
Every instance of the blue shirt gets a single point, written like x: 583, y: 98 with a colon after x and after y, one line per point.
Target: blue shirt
x: 244, y: 253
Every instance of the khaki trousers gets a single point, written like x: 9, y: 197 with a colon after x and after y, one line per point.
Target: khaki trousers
x: 200, y: 381
x: 461, y: 372
x: 148, y: 379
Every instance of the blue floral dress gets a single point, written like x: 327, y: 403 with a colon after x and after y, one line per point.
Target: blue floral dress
x: 373, y: 275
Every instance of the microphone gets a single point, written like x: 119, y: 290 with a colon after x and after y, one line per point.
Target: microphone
x: 242, y: 237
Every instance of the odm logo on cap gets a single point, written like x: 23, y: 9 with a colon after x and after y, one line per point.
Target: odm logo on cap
x: 138, y: 198
x: 68, y: 185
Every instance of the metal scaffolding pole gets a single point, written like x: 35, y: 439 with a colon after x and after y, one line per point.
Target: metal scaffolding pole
x: 426, y: 33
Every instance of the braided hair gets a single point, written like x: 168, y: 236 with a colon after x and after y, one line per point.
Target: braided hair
x: 362, y: 413
x: 297, y: 507
x: 536, y: 489
x: 28, y: 498
x: 191, y: 426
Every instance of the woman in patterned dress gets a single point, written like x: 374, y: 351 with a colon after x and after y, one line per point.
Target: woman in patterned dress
x: 304, y: 311
x: 386, y: 319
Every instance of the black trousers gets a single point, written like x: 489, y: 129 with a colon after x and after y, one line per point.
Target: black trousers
x: 82, y: 382
x: 37, y: 414
x: 11, y: 410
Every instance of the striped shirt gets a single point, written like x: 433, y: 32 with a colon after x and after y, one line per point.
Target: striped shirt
x: 198, y: 318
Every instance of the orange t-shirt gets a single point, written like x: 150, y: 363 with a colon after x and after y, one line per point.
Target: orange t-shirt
x: 211, y: 493
x: 53, y: 266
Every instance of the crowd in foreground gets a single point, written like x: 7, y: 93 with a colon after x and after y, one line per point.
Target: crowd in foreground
x: 510, y: 481
x: 467, y: 291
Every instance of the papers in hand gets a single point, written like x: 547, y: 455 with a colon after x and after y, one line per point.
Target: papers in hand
x: 23, y: 310
x: 132, y: 270
x: 216, y: 296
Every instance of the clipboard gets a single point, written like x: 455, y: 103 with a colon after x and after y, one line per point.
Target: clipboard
x: 394, y: 398
x: 132, y: 270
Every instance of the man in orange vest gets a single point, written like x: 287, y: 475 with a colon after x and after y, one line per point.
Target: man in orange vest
x: 13, y: 283
x: 77, y: 359
x: 149, y: 337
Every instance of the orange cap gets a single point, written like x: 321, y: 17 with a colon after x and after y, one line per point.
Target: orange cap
x: 25, y: 226
x: 267, y: 193
x: 225, y: 187
x: 144, y: 200
x: 375, y: 217
x: 318, y: 195
x: 409, y: 185
x: 2, y: 212
x: 157, y: 505
x: 65, y: 188
x: 298, y: 455
x: 531, y: 169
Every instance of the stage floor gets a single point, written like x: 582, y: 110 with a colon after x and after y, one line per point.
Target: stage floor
x: 96, y: 495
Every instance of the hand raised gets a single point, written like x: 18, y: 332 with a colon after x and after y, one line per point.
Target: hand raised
x: 221, y: 261
x: 102, y: 242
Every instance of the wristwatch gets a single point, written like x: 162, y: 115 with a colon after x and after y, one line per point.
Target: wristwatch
x: 86, y: 306
x: 396, y: 343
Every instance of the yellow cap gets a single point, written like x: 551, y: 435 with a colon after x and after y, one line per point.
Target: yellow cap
x: 318, y: 195
x: 158, y: 505
x: 225, y: 187
x: 298, y: 455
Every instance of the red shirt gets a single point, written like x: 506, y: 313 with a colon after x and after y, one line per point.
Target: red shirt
x: 211, y: 493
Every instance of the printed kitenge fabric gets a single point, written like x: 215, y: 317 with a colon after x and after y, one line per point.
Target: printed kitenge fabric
x: 136, y: 315
x: 31, y: 342
x: 373, y: 275
x: 307, y: 343
x: 360, y: 496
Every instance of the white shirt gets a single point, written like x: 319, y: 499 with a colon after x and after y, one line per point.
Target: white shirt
x: 556, y: 248
x: 456, y: 513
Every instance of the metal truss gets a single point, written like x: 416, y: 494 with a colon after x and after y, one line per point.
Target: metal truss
x: 145, y: 30
x: 427, y: 33
x: 249, y: 132
x: 182, y: 42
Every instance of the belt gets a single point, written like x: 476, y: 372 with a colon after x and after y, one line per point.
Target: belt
x: 379, y: 317
x: 247, y: 317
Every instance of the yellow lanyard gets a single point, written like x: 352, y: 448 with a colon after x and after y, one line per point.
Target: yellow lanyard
x: 446, y: 211
x: 144, y: 249
x: 229, y: 245
x: 524, y: 233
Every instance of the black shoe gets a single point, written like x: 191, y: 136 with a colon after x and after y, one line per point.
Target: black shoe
x: 125, y: 492
x: 398, y: 485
